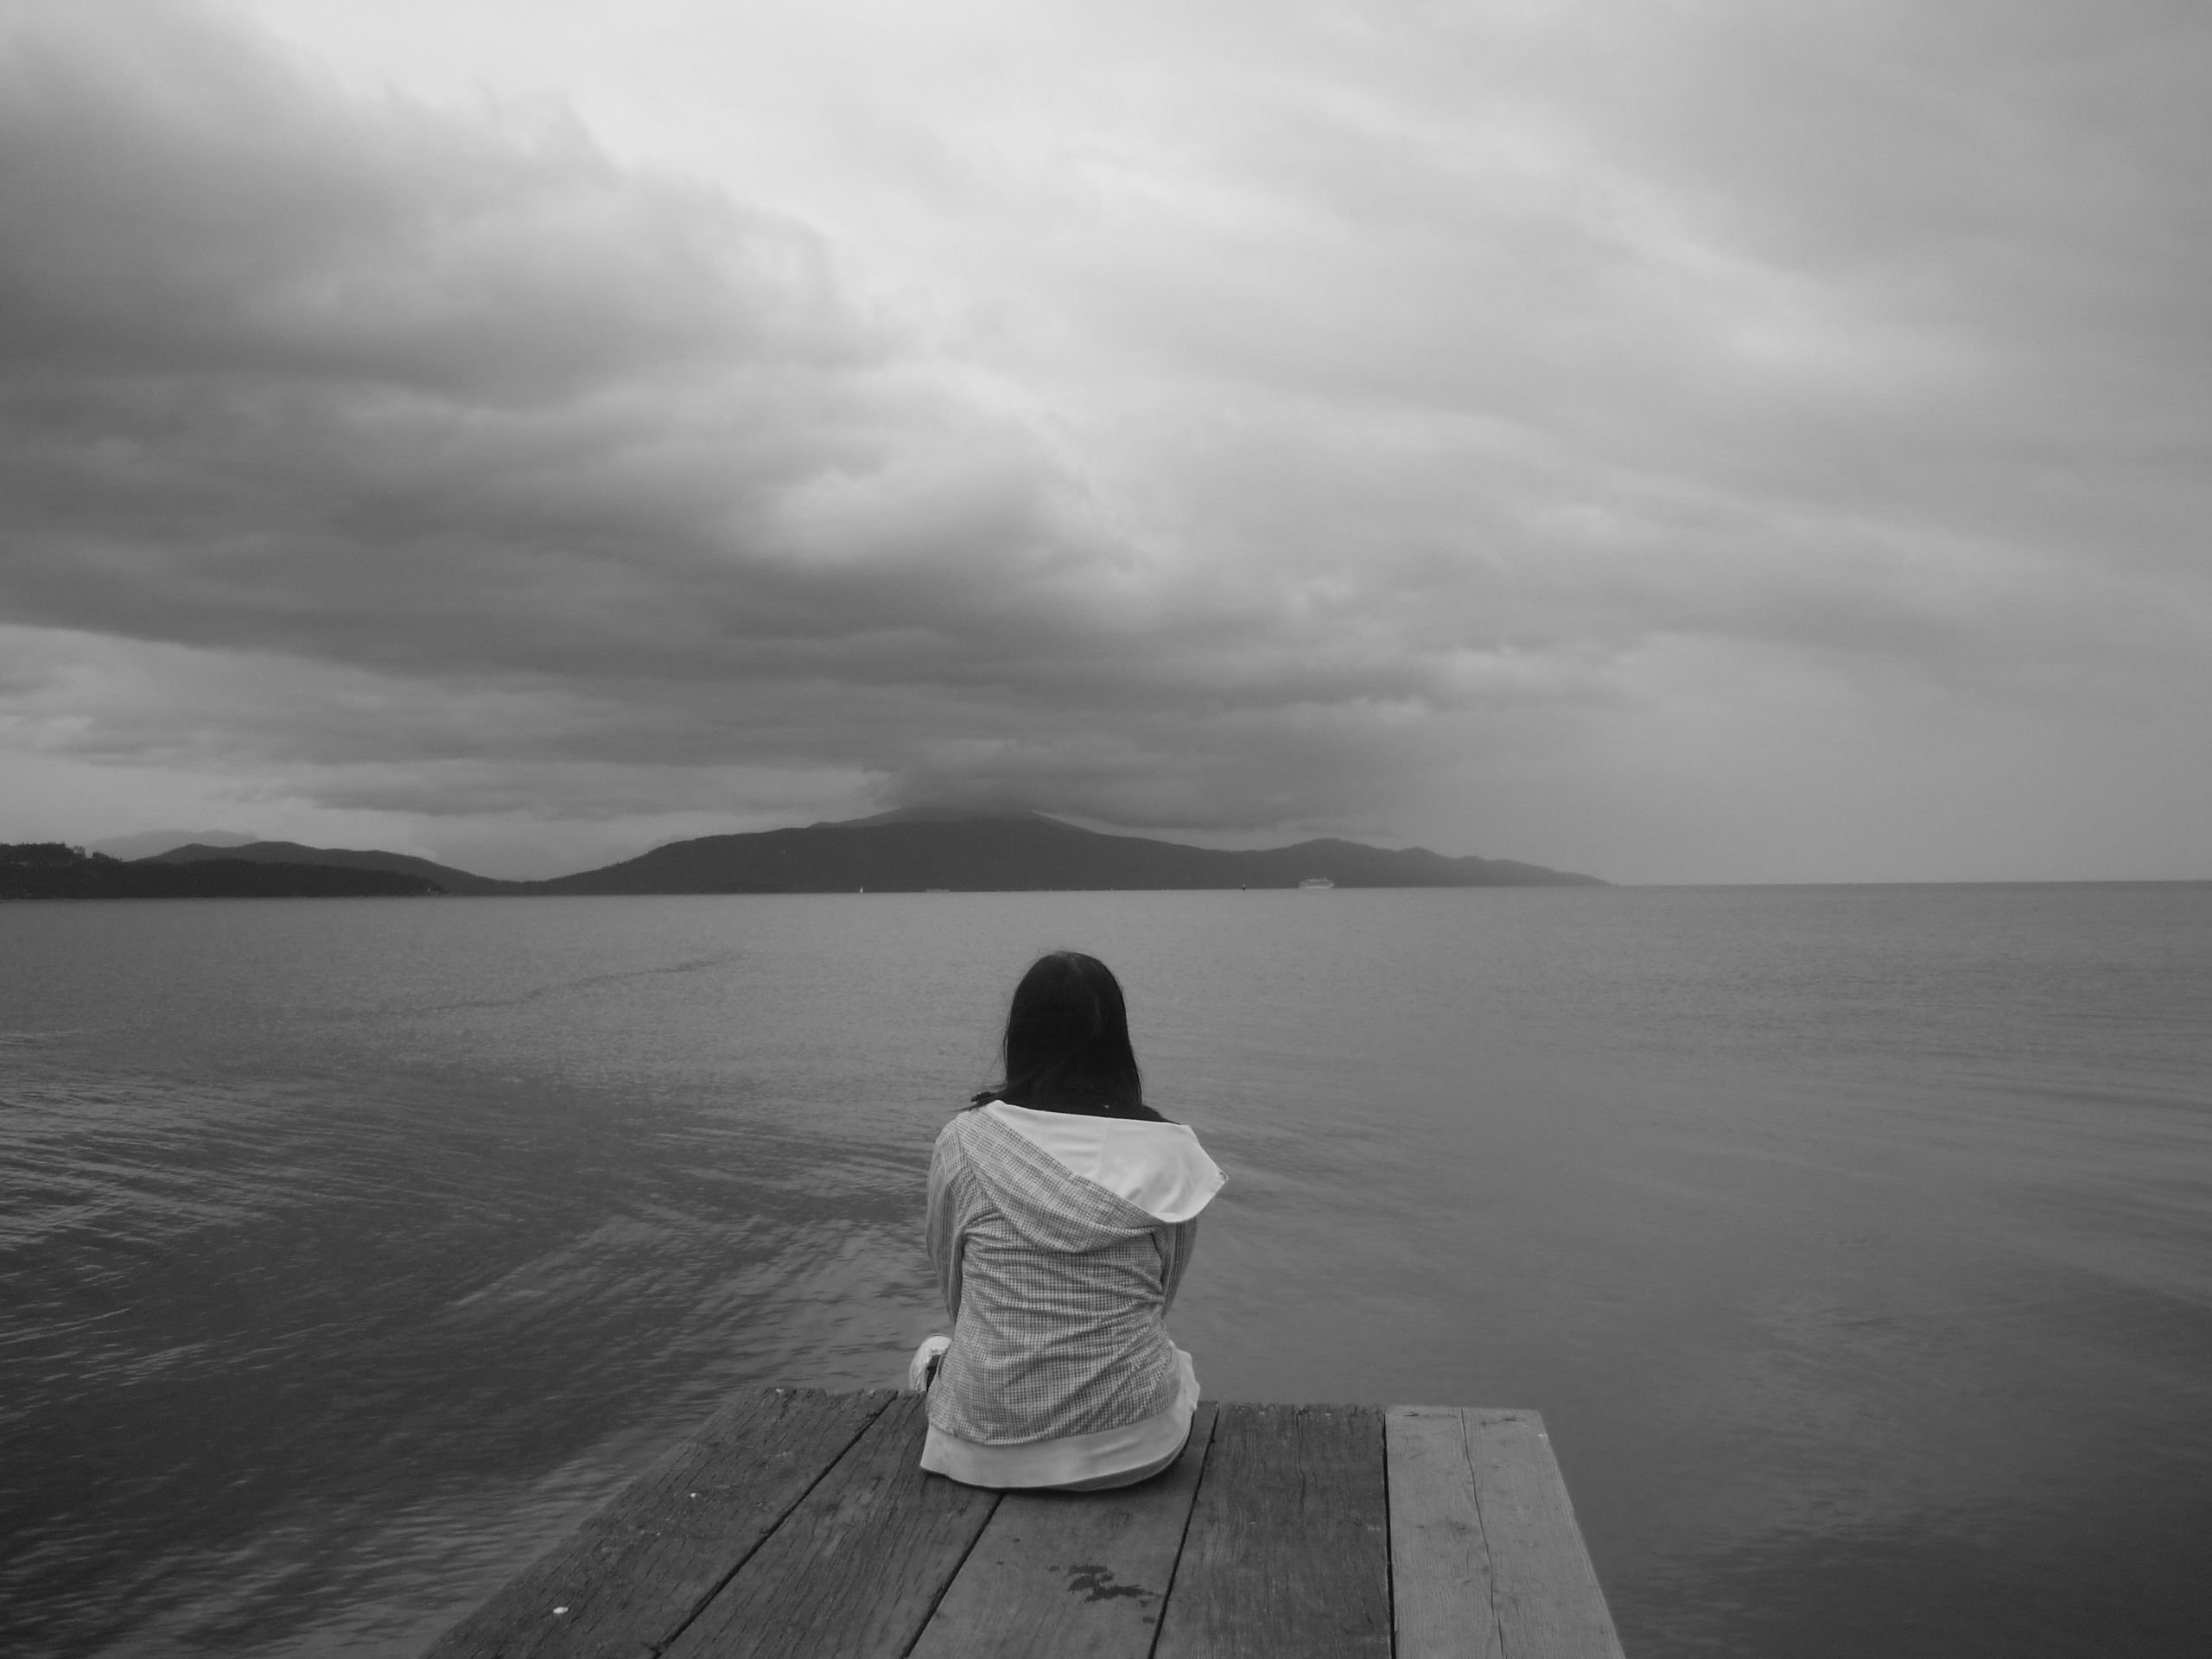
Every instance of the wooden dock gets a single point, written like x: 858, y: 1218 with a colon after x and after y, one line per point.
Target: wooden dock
x: 798, y: 1523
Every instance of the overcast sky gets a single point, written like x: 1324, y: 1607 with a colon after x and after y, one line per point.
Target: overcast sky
x: 1681, y: 440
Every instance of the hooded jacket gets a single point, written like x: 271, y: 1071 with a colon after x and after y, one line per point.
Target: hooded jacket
x: 1059, y: 1240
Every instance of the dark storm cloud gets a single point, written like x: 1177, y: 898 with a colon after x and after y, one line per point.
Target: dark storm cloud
x: 546, y: 459
x: 1767, y: 432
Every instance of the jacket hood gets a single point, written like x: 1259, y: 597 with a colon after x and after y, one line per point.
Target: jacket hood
x: 1069, y: 1182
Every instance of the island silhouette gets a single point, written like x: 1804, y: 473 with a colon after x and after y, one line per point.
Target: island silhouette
x: 910, y: 850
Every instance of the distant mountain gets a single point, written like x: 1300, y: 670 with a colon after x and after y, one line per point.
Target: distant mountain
x: 49, y: 870
x: 147, y: 842
x: 441, y: 876
x: 910, y: 850
x: 1015, y: 852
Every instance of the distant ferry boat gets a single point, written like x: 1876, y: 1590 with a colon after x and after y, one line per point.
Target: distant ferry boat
x: 1315, y: 884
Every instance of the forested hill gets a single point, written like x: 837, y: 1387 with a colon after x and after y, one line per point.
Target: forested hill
x: 444, y: 877
x: 897, y: 852
x: 53, y: 870
x: 1018, y: 852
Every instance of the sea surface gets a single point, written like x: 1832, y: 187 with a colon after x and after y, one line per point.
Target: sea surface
x: 1856, y: 1242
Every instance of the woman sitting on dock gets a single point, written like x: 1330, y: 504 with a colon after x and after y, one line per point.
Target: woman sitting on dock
x: 1062, y: 1214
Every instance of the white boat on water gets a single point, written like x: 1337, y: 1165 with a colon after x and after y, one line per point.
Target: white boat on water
x: 1315, y: 884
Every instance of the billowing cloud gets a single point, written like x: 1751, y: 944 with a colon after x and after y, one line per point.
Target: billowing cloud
x: 1483, y: 423
x: 540, y: 460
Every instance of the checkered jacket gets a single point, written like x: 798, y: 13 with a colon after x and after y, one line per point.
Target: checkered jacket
x: 1058, y: 1291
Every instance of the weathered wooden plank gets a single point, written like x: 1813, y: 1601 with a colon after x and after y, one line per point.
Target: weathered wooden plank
x: 856, y: 1567
x: 1486, y: 1560
x: 1287, y: 1554
x: 639, y: 1570
x: 1440, y: 1588
x: 1076, y: 1575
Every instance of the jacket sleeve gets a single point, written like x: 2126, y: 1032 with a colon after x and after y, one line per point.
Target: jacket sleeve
x: 949, y: 1180
x: 1176, y: 1245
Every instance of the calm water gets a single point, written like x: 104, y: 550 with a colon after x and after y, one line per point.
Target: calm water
x: 1856, y: 1243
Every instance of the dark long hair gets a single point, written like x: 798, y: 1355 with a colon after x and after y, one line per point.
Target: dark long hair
x: 1067, y: 1042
